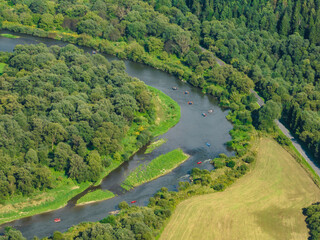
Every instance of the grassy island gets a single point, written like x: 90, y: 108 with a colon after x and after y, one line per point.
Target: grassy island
x: 154, y: 145
x: 156, y: 168
x: 95, y: 196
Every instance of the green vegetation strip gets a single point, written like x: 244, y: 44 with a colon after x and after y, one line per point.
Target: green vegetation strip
x: 21, y: 206
x: 155, y: 145
x: 98, y: 195
x: 168, y: 113
x: 2, y: 65
x: 7, y: 35
x: 156, y: 168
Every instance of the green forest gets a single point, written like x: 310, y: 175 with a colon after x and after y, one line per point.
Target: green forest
x: 66, y: 110
x: 273, y: 43
x: 69, y: 111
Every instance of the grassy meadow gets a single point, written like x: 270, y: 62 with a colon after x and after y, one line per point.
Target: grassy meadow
x: 98, y: 195
x: 264, y: 204
x: 168, y: 112
x: 156, y: 168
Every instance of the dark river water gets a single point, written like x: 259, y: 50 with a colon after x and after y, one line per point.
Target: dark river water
x: 191, y: 135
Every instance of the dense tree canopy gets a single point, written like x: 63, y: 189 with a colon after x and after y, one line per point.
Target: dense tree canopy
x: 274, y: 43
x: 313, y: 220
x: 64, y: 109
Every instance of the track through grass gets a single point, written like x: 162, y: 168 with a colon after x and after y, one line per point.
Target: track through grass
x: 265, y: 204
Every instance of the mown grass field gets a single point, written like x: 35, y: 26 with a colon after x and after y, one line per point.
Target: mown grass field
x: 156, y: 168
x: 98, y: 195
x: 265, y: 204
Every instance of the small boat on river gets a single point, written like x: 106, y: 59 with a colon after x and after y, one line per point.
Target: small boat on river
x: 204, y: 114
x: 56, y: 220
x: 190, y: 102
x: 199, y: 162
x: 208, y: 144
x: 174, y: 88
x: 133, y: 201
x: 186, y: 92
x: 210, y: 111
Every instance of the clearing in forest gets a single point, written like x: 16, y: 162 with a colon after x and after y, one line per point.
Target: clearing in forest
x: 264, y: 204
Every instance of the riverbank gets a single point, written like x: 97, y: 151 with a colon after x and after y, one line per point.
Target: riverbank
x: 156, y: 168
x: 167, y: 115
x: 40, y: 202
x: 8, y: 35
x: 95, y: 196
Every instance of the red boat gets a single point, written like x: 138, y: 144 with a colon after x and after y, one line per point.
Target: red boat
x: 199, y: 162
x: 57, y: 220
x: 133, y: 201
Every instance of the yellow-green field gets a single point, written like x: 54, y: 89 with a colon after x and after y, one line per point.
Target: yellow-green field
x: 265, y: 204
x: 2, y: 65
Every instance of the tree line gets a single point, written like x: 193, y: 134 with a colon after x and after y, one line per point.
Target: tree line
x: 282, y: 64
x: 64, y: 109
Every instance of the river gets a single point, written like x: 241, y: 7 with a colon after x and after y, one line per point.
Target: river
x: 190, y: 134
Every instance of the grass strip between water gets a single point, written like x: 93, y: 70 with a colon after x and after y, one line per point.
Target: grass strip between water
x: 8, y: 35
x: 98, y: 195
x: 156, y: 168
x: 155, y: 145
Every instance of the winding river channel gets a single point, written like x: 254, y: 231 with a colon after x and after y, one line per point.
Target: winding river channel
x: 190, y: 134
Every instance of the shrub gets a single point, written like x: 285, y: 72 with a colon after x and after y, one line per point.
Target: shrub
x: 230, y: 164
x: 219, y: 187
x: 218, y: 162
x: 123, y: 205
x: 249, y: 159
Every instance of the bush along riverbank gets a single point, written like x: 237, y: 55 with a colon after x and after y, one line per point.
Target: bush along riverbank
x: 75, y: 151
x: 154, y: 169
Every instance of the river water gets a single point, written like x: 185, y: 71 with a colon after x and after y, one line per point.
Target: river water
x: 191, y: 135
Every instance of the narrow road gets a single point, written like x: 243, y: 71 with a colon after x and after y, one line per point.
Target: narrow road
x: 283, y: 129
x: 286, y: 132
